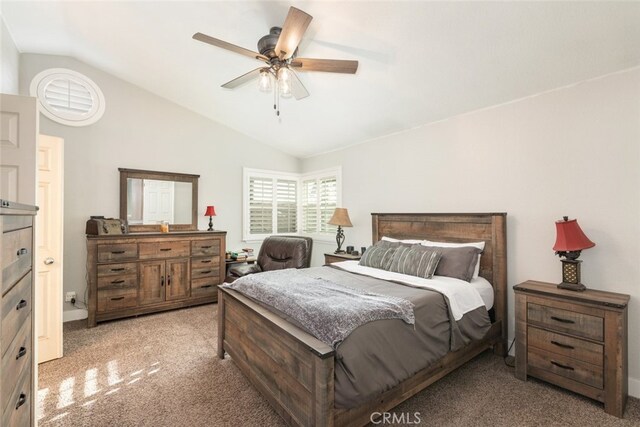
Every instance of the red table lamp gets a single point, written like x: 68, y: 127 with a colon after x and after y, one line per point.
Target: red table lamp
x: 211, y: 212
x: 570, y: 241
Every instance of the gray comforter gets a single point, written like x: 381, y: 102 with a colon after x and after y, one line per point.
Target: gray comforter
x: 380, y: 354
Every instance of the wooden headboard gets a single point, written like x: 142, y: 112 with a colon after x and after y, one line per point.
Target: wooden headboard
x: 458, y: 227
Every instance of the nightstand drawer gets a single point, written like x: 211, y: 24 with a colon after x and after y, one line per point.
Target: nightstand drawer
x: 572, y: 322
x: 567, y: 367
x: 574, y: 348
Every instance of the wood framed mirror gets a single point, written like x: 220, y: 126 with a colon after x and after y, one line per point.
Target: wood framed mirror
x: 147, y: 198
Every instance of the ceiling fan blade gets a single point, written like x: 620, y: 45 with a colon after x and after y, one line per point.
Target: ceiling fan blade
x: 232, y: 47
x: 297, y: 88
x: 326, y: 65
x: 292, y: 31
x: 245, y: 78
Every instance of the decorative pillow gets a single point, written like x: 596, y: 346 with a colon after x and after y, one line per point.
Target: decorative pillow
x: 458, y: 263
x: 479, y: 245
x: 416, y: 260
x: 379, y: 255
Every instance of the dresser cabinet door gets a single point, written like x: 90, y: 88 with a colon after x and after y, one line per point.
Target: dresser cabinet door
x: 152, y: 282
x: 177, y: 279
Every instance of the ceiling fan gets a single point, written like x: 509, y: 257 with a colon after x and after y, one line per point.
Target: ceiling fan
x: 278, y: 50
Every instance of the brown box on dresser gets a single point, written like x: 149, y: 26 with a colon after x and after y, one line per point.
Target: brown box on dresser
x: 17, y: 337
x: 141, y: 273
x: 575, y: 340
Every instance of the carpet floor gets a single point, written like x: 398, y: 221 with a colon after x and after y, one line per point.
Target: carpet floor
x: 161, y: 370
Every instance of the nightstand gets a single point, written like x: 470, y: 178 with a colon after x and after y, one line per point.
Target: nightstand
x: 331, y: 258
x: 575, y: 340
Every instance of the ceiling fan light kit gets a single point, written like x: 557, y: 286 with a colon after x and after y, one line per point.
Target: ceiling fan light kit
x: 279, y: 50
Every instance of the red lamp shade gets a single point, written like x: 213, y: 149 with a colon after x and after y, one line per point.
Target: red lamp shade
x: 569, y: 237
x: 211, y: 211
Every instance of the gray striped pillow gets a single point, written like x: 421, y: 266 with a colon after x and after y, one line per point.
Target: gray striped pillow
x: 379, y: 255
x: 415, y: 260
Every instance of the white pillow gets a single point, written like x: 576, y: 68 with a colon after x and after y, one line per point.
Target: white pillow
x: 409, y: 242
x: 479, y: 245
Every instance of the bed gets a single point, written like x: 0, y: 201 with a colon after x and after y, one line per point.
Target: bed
x: 296, y: 372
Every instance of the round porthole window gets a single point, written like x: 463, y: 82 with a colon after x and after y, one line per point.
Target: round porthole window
x: 68, y: 97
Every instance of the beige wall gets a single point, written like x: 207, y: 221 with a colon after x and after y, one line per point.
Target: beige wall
x: 140, y: 130
x: 574, y: 151
x: 9, y: 60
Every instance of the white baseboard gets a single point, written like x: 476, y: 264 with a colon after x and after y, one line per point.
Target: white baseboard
x: 634, y: 387
x: 75, y: 314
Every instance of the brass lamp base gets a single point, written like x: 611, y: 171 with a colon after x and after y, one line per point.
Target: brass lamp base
x: 571, y: 275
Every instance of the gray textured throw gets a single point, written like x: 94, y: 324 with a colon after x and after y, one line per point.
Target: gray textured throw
x: 327, y: 310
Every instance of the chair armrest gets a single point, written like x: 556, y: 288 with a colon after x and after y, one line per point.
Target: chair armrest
x: 244, y: 269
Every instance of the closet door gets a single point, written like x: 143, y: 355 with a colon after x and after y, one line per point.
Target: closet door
x: 178, y: 279
x: 152, y: 282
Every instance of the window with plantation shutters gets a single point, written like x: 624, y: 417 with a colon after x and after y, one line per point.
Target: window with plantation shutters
x: 288, y: 203
x: 68, y: 97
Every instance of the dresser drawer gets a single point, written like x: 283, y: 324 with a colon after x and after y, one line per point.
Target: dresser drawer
x: 574, y: 348
x: 118, y: 282
x: 15, y: 222
x: 204, y: 287
x: 174, y: 249
x: 205, y: 262
x: 16, y: 360
x: 117, y: 269
x: 117, y: 252
x: 197, y: 273
x: 117, y: 299
x: 16, y: 306
x: 572, y: 322
x: 17, y: 412
x: 576, y: 370
x: 16, y: 256
x: 205, y: 247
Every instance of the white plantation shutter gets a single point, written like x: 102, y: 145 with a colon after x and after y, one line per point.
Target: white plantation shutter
x: 319, y: 200
x: 260, y: 205
x: 287, y: 202
x: 68, y: 95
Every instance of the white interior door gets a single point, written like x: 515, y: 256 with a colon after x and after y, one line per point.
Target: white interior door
x: 49, y: 232
x: 18, y: 135
x: 158, y: 201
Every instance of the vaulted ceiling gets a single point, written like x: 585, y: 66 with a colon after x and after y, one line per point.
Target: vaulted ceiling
x: 419, y: 61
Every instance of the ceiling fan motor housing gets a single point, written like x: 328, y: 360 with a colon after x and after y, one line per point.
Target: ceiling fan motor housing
x: 267, y: 44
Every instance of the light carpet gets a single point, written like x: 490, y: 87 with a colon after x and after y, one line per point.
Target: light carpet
x: 162, y: 370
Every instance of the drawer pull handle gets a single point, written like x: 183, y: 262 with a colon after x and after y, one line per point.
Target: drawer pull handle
x: 117, y: 282
x: 206, y: 286
x: 21, y: 352
x: 561, y: 320
x: 206, y: 247
x: 117, y: 252
x: 116, y: 298
x: 21, y: 400
x: 165, y: 249
x: 205, y: 272
x: 22, y: 251
x: 205, y: 261
x: 570, y: 347
x: 21, y: 304
x: 560, y: 365
x: 118, y: 269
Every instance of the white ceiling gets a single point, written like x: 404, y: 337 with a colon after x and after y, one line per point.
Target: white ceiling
x: 419, y: 62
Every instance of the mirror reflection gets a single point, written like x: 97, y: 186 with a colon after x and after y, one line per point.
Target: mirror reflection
x: 151, y: 201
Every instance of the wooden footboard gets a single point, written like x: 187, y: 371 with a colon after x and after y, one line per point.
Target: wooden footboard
x: 291, y: 368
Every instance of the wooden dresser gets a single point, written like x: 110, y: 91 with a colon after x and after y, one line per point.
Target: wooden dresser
x: 17, y: 337
x: 141, y: 273
x: 576, y: 340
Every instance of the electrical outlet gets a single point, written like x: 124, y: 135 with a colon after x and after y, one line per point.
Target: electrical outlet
x: 69, y: 296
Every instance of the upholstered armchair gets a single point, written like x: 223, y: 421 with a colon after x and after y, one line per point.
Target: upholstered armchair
x: 278, y: 253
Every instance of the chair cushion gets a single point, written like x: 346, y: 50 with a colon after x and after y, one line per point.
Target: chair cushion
x: 244, y: 269
x: 280, y: 252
